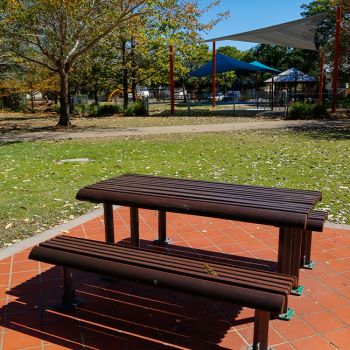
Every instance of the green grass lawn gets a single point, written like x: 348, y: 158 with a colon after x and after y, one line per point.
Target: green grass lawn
x: 38, y: 191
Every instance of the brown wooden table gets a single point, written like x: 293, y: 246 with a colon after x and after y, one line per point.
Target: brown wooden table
x: 287, y: 209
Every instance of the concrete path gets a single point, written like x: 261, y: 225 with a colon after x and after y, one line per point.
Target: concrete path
x: 157, y: 130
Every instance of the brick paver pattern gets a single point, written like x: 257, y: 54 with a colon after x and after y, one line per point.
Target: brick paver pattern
x: 123, y: 315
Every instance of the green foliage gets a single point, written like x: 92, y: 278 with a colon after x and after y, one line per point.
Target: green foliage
x: 92, y: 109
x: 56, y: 108
x: 108, y: 109
x: 301, y: 110
x: 97, y: 110
x: 56, y: 34
x: 326, y: 32
x: 137, y: 108
x: 15, y: 102
x: 81, y: 108
x: 344, y: 103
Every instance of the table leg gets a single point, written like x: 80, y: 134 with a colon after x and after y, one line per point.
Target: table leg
x: 295, y: 263
x: 109, y: 225
x: 162, y: 229
x: 134, y: 226
x: 69, y: 301
x: 284, y: 251
x: 289, y: 251
x: 305, y: 261
x: 261, y: 330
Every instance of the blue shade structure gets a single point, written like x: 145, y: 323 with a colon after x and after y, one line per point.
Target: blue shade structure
x: 292, y: 75
x: 264, y: 68
x: 224, y: 64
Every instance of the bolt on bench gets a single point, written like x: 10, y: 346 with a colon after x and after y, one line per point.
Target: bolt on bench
x: 266, y: 292
x: 290, y: 210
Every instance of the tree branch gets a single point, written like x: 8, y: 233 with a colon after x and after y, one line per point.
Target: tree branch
x: 33, y: 60
x: 125, y: 16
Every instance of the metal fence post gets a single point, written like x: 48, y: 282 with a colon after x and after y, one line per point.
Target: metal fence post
x: 189, y: 104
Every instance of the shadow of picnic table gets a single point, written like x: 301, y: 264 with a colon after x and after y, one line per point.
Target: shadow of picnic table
x: 123, y: 314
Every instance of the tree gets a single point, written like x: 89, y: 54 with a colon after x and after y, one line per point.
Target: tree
x: 56, y: 33
x: 145, y: 51
x: 326, y: 32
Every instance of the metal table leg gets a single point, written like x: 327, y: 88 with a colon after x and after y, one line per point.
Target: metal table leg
x: 109, y: 224
x: 305, y: 261
x: 134, y: 226
x: 289, y: 251
x: 261, y: 331
x: 162, y: 229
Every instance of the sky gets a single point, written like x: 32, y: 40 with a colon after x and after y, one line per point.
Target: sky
x: 248, y: 15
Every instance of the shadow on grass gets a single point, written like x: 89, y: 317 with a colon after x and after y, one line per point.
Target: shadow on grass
x: 125, y: 314
x: 330, y: 130
x: 198, y: 112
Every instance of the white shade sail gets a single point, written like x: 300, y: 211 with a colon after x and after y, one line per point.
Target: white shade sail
x: 298, y: 34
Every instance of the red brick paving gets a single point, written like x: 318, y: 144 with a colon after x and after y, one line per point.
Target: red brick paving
x: 128, y: 316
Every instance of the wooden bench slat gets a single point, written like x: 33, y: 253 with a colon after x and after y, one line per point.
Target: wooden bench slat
x: 247, y: 277
x: 316, y: 220
x: 166, y: 268
x: 229, y: 189
x: 256, y: 202
x: 245, y: 296
x: 175, y: 258
x: 226, y: 211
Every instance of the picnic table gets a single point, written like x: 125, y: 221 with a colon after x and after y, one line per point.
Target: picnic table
x: 290, y: 210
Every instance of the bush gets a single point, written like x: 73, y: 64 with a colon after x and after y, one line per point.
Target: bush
x: 320, y: 111
x: 80, y: 108
x: 92, y: 109
x: 56, y: 108
x: 15, y: 102
x: 301, y: 110
x: 96, y: 110
x: 137, y: 108
x: 108, y: 109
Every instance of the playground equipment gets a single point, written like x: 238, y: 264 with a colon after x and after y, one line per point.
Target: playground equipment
x: 118, y: 90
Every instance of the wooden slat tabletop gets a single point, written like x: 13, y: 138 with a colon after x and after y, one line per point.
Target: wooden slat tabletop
x: 265, y: 205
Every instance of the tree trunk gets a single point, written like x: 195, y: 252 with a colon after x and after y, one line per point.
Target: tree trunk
x: 96, y: 97
x: 64, y: 100
x: 133, y: 71
x: 125, y: 75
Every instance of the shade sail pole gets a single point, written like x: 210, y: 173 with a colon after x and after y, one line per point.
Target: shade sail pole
x: 171, y: 76
x: 336, y: 59
x: 320, y: 88
x: 213, y: 101
x: 272, y: 93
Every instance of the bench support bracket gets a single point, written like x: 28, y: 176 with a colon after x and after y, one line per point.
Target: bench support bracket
x: 286, y: 316
x: 298, y: 290
x: 309, y: 266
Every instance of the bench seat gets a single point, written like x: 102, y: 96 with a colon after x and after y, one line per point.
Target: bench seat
x: 316, y: 220
x: 263, y: 291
